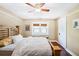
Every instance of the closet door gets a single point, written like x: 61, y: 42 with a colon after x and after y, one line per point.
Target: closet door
x: 62, y: 31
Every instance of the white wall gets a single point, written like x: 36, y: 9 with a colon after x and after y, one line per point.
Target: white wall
x: 73, y: 34
x: 51, y: 25
x: 10, y: 20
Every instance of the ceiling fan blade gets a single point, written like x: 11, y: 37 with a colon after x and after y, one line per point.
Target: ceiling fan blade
x: 42, y: 4
x: 47, y: 10
x: 29, y: 4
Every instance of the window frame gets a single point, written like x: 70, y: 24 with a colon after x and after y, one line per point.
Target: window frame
x: 44, y: 25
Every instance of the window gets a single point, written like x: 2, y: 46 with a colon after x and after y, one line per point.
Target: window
x: 43, y: 30
x: 39, y: 29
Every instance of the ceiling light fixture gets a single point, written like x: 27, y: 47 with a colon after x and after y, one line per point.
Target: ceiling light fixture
x: 39, y: 7
x: 37, y: 10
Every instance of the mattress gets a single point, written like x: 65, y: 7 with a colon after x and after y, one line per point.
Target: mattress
x: 33, y: 46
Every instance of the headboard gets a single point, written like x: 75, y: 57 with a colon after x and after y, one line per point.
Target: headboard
x: 6, y: 31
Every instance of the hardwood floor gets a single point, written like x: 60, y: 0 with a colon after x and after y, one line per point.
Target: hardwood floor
x: 64, y: 52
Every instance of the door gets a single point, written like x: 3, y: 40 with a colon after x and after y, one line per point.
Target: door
x: 62, y: 31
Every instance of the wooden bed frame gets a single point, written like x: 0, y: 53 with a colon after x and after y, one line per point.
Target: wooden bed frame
x: 8, y: 31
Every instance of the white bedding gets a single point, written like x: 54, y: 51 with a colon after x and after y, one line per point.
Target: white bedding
x: 33, y: 46
x: 8, y: 47
x: 16, y: 39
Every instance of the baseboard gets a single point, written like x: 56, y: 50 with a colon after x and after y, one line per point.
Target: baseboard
x: 73, y: 54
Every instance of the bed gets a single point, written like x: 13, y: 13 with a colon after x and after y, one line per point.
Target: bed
x: 30, y: 46
x: 33, y: 46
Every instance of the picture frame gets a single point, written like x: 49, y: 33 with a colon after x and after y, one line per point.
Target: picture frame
x: 76, y: 24
x: 27, y: 27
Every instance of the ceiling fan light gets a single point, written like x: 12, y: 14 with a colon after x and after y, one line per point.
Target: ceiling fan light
x: 37, y: 10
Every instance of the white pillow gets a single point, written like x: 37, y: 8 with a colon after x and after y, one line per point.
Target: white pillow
x: 20, y: 35
x: 17, y: 38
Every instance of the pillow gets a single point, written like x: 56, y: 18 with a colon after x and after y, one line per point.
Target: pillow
x: 20, y: 35
x: 5, y: 41
x: 17, y: 38
x: 1, y: 44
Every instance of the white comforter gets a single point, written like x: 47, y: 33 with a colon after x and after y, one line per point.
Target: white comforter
x: 8, y: 47
x: 33, y: 46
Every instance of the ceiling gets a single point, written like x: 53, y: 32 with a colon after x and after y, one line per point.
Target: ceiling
x: 25, y: 11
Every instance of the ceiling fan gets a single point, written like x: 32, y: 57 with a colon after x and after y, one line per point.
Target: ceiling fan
x: 39, y: 7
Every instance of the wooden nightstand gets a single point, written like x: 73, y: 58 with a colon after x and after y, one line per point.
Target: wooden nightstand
x: 56, y: 48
